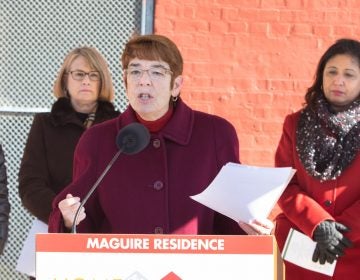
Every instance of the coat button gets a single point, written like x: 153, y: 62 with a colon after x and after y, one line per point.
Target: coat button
x: 158, y: 230
x: 156, y: 143
x: 158, y: 185
x: 328, y: 203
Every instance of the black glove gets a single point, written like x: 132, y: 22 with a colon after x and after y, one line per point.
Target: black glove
x: 330, y: 241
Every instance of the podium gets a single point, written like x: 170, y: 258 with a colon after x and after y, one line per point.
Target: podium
x: 156, y: 257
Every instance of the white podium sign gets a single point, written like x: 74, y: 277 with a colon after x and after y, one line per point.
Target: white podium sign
x: 156, y: 257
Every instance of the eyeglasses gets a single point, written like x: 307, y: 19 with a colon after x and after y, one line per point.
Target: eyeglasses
x: 155, y: 73
x: 80, y: 75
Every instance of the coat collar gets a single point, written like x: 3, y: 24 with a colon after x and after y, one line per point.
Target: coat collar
x: 178, y: 129
x: 63, y: 113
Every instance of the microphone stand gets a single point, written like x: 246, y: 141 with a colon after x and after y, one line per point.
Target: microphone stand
x: 93, y: 188
x: 131, y: 139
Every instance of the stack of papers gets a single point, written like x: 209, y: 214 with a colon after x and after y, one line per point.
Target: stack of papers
x: 26, y: 261
x: 299, y: 249
x: 245, y: 193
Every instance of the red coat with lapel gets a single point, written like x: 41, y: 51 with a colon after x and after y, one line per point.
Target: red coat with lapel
x: 307, y: 201
x: 149, y: 192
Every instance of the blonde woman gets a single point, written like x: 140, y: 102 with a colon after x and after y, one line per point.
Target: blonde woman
x: 84, y: 93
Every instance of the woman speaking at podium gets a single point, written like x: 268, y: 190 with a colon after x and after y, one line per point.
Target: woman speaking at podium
x: 148, y: 192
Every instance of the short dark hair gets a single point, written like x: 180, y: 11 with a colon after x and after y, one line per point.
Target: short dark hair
x: 154, y: 47
x: 345, y: 46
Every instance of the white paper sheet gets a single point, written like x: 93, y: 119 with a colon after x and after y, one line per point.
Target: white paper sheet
x: 26, y: 261
x: 244, y: 192
x: 299, y: 249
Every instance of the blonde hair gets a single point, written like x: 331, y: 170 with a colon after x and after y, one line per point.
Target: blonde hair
x: 97, y: 62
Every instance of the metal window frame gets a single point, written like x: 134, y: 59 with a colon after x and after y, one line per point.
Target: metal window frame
x: 147, y: 17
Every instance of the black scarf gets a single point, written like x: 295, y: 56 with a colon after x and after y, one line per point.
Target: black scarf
x: 328, y: 141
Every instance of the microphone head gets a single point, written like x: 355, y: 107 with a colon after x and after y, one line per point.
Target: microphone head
x: 132, y: 138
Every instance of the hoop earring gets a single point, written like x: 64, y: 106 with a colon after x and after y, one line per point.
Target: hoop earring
x: 174, y: 98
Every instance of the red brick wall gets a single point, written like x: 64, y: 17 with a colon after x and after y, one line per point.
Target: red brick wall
x: 251, y: 61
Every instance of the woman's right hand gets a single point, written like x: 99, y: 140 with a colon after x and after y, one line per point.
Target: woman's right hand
x: 257, y: 227
x: 68, y: 208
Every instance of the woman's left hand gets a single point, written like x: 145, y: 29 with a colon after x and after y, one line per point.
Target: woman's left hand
x: 257, y: 227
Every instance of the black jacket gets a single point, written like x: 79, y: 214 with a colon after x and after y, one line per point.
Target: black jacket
x: 4, y: 203
x: 47, y: 163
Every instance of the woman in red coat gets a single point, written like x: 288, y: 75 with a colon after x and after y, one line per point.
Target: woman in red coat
x: 322, y: 142
x: 149, y: 192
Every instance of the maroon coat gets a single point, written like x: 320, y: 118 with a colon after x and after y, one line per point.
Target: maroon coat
x: 307, y: 201
x: 149, y: 192
x: 47, y: 163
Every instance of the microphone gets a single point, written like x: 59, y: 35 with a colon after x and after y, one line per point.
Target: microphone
x: 130, y: 140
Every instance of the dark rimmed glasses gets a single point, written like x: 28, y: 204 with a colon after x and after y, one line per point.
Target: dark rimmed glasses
x: 80, y: 75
